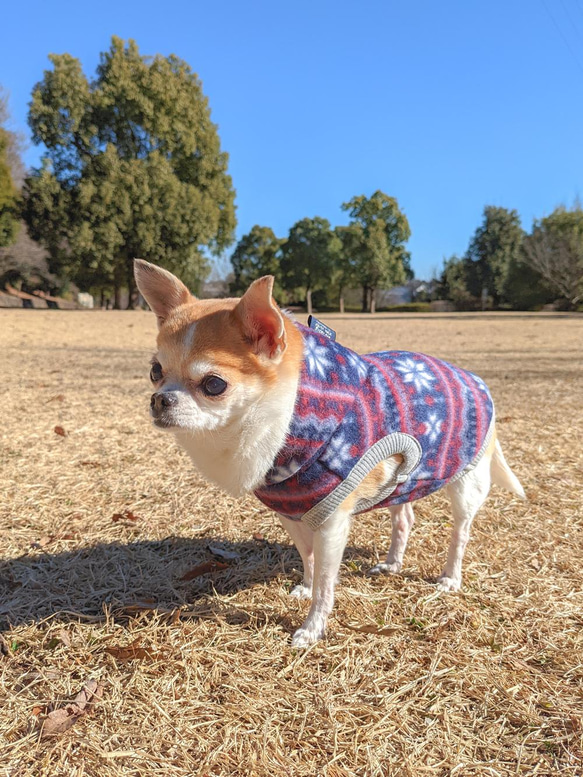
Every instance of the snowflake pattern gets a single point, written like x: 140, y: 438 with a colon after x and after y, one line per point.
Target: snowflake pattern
x: 337, y: 452
x: 285, y: 471
x: 317, y: 358
x: 355, y: 364
x: 415, y: 372
x: 433, y: 426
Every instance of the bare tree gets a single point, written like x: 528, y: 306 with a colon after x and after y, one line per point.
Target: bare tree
x: 25, y: 260
x: 559, y: 260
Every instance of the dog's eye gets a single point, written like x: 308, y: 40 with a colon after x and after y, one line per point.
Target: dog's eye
x: 156, y: 373
x: 213, y: 386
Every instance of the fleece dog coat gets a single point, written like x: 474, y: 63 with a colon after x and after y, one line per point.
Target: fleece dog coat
x: 354, y: 411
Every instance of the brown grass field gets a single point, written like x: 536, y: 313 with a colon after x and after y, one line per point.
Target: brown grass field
x: 197, y: 677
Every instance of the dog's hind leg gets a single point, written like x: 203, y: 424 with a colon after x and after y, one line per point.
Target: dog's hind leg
x: 467, y: 495
x: 402, y: 518
x: 303, y: 538
x: 329, y: 543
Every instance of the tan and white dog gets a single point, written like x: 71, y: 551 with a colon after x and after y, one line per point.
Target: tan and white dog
x: 225, y: 376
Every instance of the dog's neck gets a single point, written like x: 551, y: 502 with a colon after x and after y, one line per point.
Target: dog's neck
x: 237, y: 458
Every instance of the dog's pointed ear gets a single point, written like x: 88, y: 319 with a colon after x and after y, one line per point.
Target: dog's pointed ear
x: 162, y: 291
x: 261, y: 319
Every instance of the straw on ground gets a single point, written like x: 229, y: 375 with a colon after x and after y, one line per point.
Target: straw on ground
x: 105, y: 529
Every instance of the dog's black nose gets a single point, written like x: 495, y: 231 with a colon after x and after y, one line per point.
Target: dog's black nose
x: 162, y: 400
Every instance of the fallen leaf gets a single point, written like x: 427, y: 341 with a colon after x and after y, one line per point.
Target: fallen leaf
x: 89, y: 463
x: 130, y: 652
x: 36, y: 711
x: 65, y: 637
x: 60, y: 720
x: 127, y: 515
x: 217, y: 550
x: 204, y: 568
x: 258, y: 536
x: 505, y: 419
x: 56, y: 398
x: 370, y: 628
x: 48, y: 538
x: 60, y: 431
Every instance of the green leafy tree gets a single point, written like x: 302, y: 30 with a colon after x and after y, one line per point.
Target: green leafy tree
x: 255, y: 255
x: 308, y: 257
x: 554, y: 250
x: 379, y: 233
x: 525, y: 288
x: 133, y: 168
x: 8, y: 192
x: 8, y: 197
x: 455, y: 282
x: 14, y: 143
x: 496, y: 244
x: 345, y: 275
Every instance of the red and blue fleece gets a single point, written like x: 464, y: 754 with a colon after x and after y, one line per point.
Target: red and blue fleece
x: 353, y: 411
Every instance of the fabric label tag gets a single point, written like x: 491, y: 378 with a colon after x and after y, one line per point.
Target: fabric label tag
x: 321, y: 328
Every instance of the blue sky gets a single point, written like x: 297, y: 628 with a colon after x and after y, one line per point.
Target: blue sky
x: 447, y: 106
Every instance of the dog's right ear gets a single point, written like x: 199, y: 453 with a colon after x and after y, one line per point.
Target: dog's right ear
x: 162, y: 291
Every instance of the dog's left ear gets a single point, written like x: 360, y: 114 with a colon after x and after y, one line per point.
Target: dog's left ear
x: 261, y: 319
x: 162, y: 291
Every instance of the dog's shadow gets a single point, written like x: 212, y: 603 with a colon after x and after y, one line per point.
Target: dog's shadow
x: 90, y: 582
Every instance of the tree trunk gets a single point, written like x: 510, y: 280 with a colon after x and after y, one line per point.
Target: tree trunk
x: 102, y: 299
x: 373, y: 301
x: 132, y: 288
x: 342, y: 301
x: 118, y: 283
x: 309, y: 301
x: 364, y: 299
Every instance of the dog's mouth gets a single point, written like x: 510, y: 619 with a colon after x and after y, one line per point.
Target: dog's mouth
x: 164, y: 423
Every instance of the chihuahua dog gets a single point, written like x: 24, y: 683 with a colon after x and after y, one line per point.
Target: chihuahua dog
x: 318, y: 432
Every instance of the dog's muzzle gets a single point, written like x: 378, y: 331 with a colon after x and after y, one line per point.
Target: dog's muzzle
x: 161, y: 404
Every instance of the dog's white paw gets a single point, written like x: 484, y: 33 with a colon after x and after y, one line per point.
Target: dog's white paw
x: 448, y: 584
x: 305, y: 637
x: 386, y: 569
x: 301, y: 592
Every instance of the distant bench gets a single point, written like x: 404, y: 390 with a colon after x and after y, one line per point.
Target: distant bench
x: 13, y: 298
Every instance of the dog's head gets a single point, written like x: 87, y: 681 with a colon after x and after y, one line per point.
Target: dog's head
x: 216, y: 358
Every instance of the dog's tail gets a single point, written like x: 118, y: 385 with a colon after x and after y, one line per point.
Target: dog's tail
x: 502, y: 475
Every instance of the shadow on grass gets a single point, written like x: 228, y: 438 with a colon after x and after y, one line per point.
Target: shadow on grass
x: 123, y: 579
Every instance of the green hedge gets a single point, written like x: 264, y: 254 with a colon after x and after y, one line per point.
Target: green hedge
x: 408, y: 307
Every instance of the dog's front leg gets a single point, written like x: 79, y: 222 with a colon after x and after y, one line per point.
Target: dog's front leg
x: 303, y: 538
x: 329, y: 543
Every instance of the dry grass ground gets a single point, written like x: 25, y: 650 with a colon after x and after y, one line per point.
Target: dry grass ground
x: 485, y: 682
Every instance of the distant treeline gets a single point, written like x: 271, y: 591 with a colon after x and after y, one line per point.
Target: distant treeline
x: 133, y: 166
x: 318, y: 263
x: 506, y: 267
